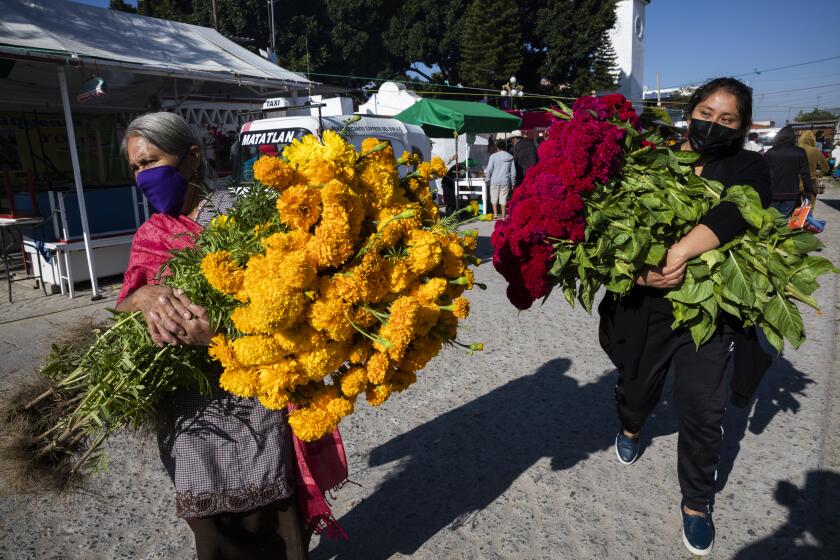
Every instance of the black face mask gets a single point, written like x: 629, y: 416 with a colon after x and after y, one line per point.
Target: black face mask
x: 707, y: 137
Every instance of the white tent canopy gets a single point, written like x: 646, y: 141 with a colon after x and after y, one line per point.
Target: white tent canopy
x: 60, y: 29
x: 49, y: 47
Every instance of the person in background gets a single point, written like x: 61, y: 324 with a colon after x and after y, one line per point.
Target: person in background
x: 524, y: 155
x: 788, y: 166
x: 501, y: 176
x: 447, y: 185
x: 817, y: 164
x: 752, y: 143
x: 835, y: 155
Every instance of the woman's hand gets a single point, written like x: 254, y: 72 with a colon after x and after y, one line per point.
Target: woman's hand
x: 669, y: 275
x: 170, y: 315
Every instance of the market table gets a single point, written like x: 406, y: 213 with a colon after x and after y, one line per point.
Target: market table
x: 16, y: 226
x: 473, y: 186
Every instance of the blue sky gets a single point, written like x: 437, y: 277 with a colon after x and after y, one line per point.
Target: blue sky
x: 688, y: 42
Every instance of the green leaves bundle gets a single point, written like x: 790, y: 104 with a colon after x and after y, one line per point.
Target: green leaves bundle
x: 634, y: 198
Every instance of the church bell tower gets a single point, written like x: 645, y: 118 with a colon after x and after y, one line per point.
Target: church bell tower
x: 628, y: 40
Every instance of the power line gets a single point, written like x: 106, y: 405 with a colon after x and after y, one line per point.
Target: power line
x: 758, y: 72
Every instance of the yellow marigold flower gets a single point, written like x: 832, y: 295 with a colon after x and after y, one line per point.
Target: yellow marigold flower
x: 299, y: 207
x: 302, y: 150
x: 377, y: 395
x: 353, y: 382
x: 402, y: 380
x: 486, y: 218
x: 283, y: 375
x: 378, y: 368
x: 322, y: 160
x: 322, y: 361
x: 400, y: 276
x: 324, y: 394
x: 332, y: 244
x: 298, y: 338
x: 287, y: 242
x: 272, y: 172
x: 222, y: 272
x: 242, y: 382
x: 401, y: 327
x: 340, y: 407
x: 421, y: 351
x: 461, y: 307
x: 469, y: 243
x: 371, y: 278
x: 257, y: 350
x: 474, y: 208
x: 453, y: 259
x: 275, y: 401
x: 424, y: 251
x: 221, y: 350
x: 360, y: 351
x: 431, y: 169
x: 269, y: 311
x: 311, y: 424
x: 427, y: 316
x: 330, y: 316
x: 429, y: 292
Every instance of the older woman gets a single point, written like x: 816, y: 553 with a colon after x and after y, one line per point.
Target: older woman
x: 230, y: 459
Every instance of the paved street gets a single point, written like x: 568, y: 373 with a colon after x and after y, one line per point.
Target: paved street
x: 505, y: 454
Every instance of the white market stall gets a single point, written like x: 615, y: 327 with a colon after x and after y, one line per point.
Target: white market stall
x: 58, y: 55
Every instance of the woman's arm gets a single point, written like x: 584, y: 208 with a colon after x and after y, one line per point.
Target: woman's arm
x: 170, y: 315
x: 670, y: 275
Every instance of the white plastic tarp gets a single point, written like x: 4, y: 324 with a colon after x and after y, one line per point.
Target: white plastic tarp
x: 57, y: 27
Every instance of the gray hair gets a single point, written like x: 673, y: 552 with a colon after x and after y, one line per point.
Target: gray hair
x: 169, y: 132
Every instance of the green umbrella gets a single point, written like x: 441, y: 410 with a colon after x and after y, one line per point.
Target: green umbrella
x: 443, y: 118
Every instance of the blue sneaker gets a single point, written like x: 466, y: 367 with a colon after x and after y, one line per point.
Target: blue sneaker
x: 626, y: 448
x: 698, y: 532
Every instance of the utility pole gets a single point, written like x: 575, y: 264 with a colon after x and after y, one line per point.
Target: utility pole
x: 818, y: 102
x: 658, y: 92
x: 215, y: 20
x: 272, y: 43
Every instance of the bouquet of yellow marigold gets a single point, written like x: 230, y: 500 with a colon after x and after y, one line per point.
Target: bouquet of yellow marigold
x: 354, y: 285
x: 332, y: 277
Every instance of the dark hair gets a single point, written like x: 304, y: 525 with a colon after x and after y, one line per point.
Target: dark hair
x: 742, y: 93
x: 753, y: 136
x: 501, y: 144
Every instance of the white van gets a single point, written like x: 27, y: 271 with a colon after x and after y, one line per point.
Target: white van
x: 271, y: 135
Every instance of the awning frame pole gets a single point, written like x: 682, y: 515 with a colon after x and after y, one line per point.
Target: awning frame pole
x: 77, y: 179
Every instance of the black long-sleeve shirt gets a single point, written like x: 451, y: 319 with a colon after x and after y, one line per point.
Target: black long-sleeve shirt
x: 740, y: 168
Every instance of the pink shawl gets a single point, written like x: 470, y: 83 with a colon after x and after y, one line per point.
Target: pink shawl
x: 321, y: 465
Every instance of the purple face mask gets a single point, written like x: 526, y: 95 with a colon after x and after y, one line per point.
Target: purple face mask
x: 165, y: 188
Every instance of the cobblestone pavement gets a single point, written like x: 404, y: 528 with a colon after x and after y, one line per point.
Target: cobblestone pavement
x: 505, y: 454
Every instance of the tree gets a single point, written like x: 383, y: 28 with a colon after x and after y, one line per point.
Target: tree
x: 572, y: 35
x: 491, y: 43
x: 815, y: 115
x: 122, y: 6
x: 428, y: 32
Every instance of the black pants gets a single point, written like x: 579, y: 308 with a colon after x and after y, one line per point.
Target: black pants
x: 699, y: 396
x: 272, y: 532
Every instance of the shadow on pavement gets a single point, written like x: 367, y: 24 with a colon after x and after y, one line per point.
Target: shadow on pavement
x: 457, y: 464
x: 484, y: 251
x: 812, y: 530
x: 777, y: 393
